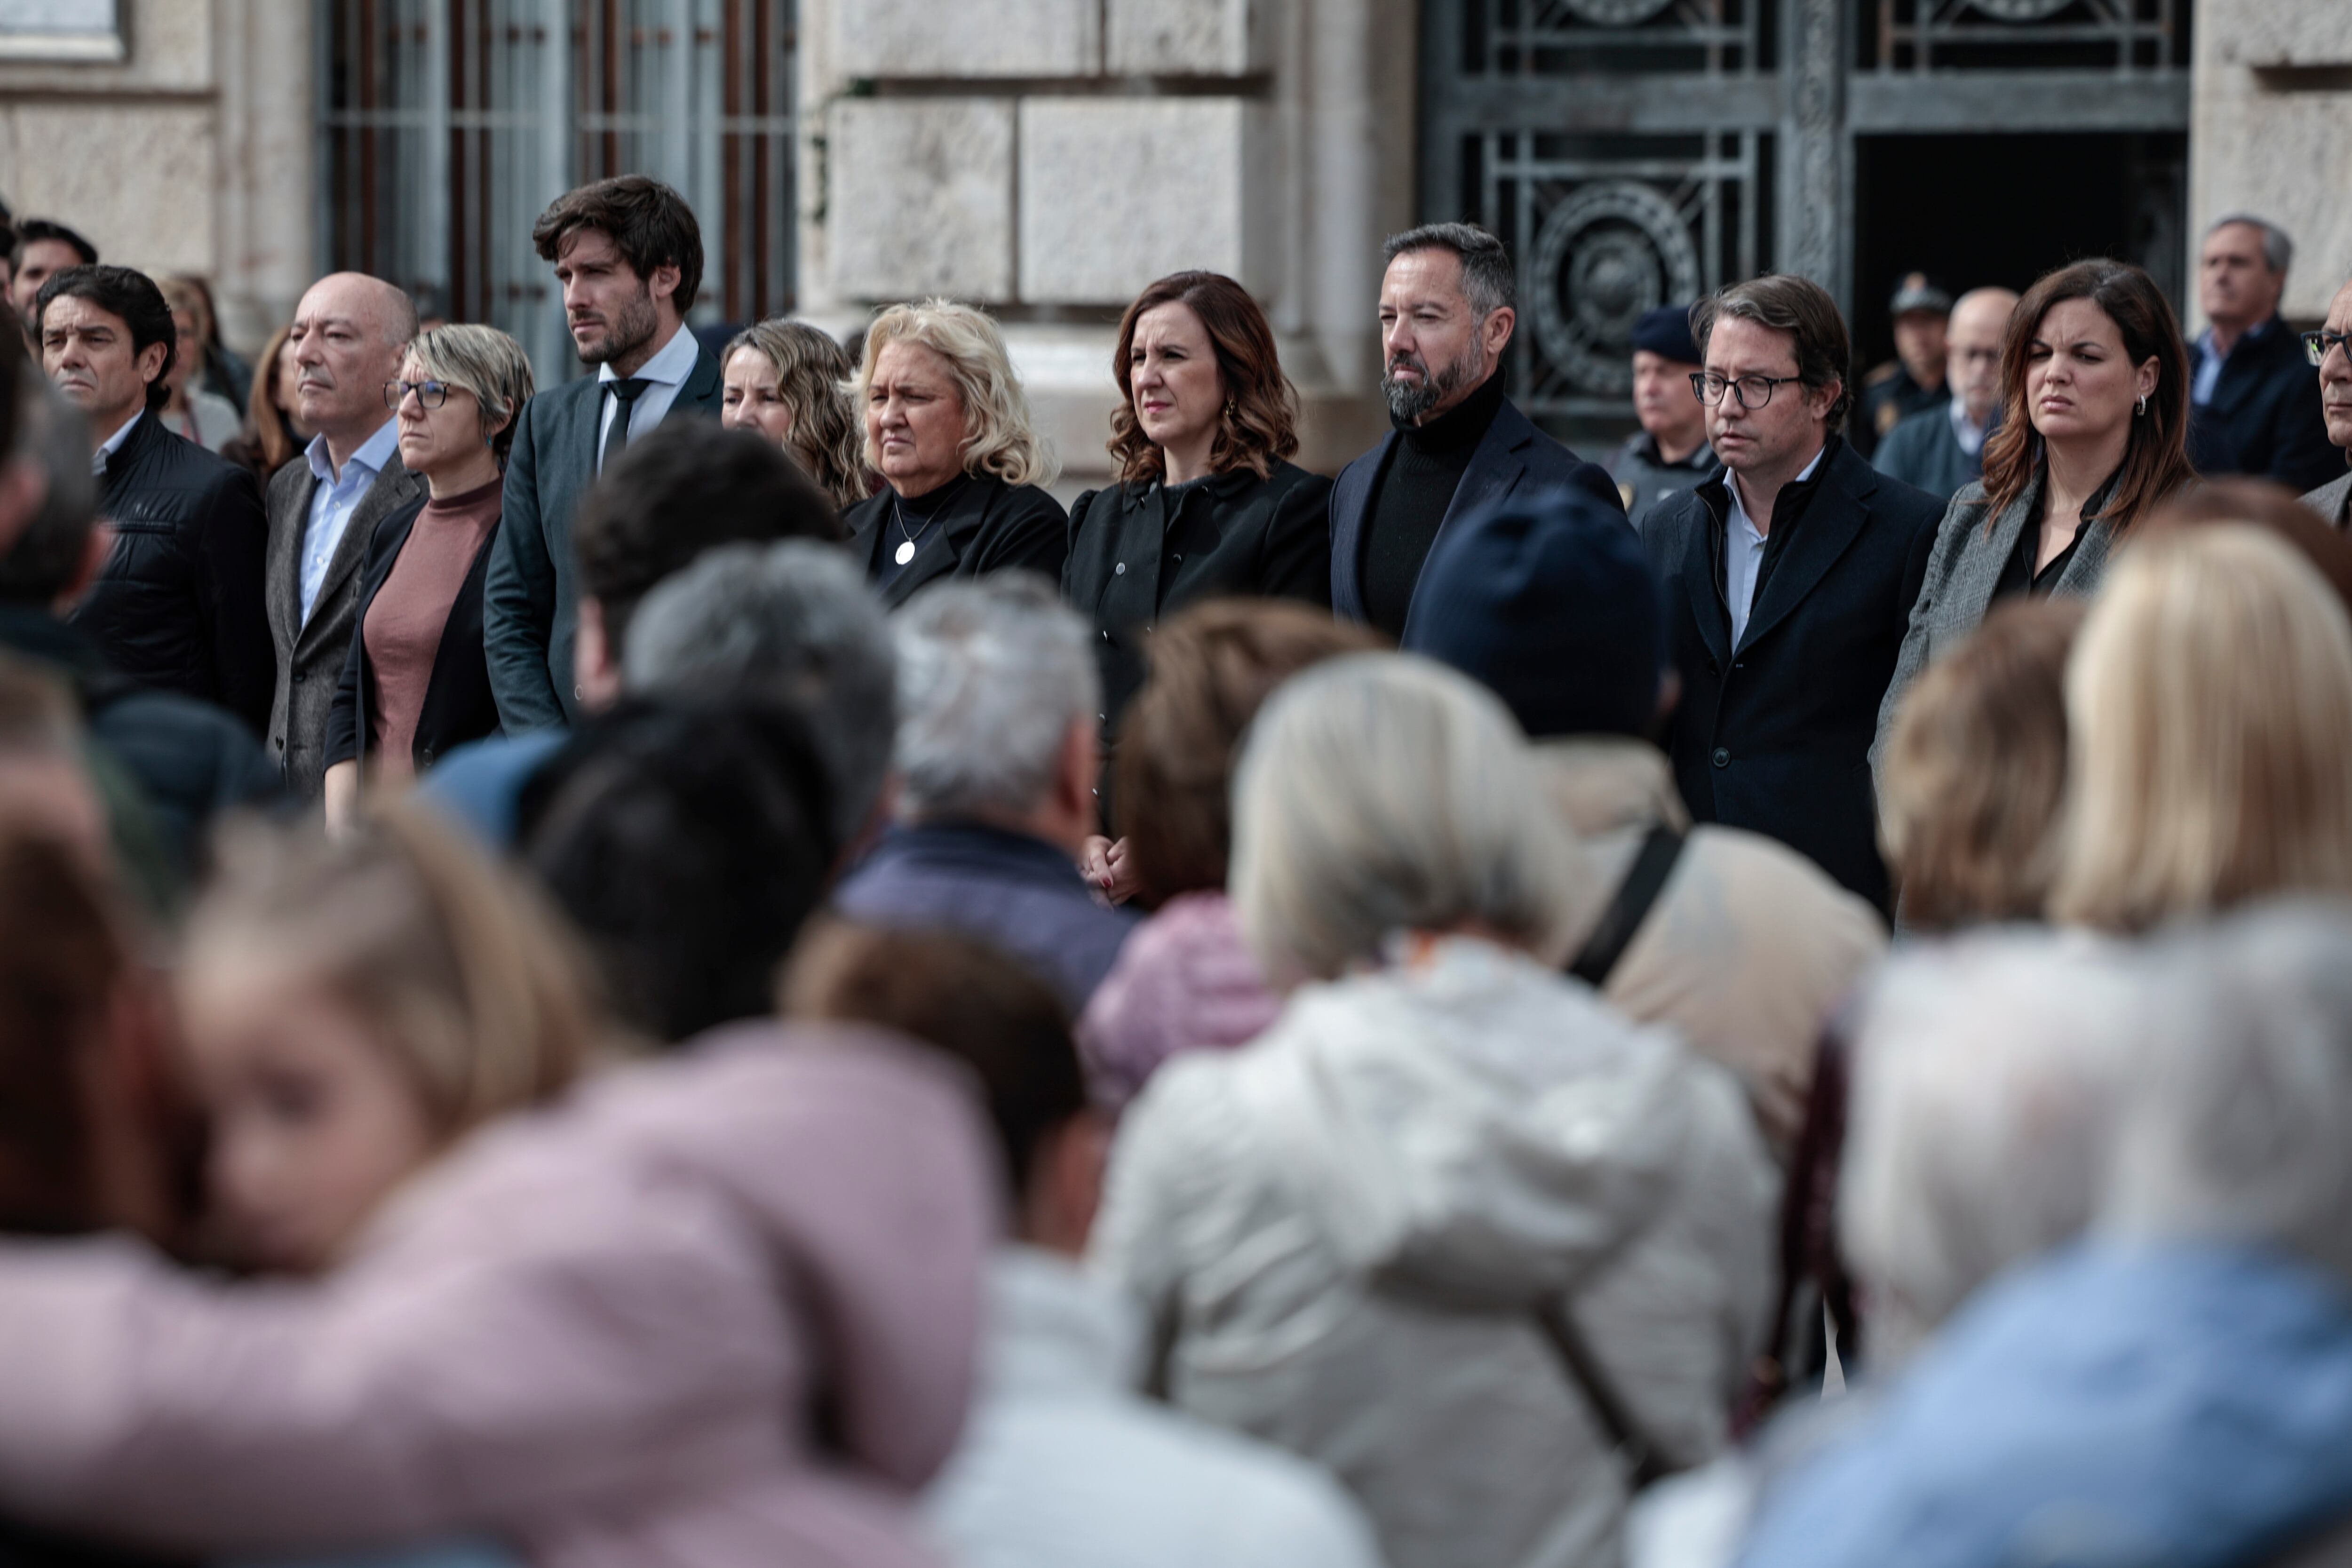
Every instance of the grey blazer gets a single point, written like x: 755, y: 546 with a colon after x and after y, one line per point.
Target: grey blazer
x: 1962, y: 573
x: 2333, y: 500
x: 310, y: 654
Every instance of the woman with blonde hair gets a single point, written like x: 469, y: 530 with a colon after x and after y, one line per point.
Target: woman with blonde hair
x: 417, y: 682
x: 1975, y: 773
x: 2209, y: 703
x: 1451, y: 1219
x: 354, y: 1007
x: 787, y: 381
x: 963, y: 472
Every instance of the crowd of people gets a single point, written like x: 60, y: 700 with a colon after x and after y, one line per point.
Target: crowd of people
x: 682, y: 965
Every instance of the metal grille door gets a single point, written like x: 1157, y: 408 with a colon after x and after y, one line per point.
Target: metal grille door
x: 448, y: 125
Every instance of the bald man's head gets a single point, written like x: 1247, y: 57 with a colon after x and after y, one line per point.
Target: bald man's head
x: 350, y: 332
x: 1979, y: 321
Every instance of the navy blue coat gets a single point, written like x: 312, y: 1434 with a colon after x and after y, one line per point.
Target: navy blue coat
x: 2264, y: 419
x: 1513, y: 455
x: 1774, y: 735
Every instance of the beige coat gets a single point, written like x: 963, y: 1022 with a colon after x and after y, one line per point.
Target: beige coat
x: 1749, y: 945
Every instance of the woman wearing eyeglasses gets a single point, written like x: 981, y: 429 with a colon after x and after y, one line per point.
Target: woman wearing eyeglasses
x: 415, y: 682
x: 2093, y: 438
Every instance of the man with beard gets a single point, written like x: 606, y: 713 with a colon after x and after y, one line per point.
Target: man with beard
x: 628, y: 255
x: 1447, y: 308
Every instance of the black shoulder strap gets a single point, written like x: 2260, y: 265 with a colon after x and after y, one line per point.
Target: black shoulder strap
x: 1642, y: 1455
x: 1651, y: 866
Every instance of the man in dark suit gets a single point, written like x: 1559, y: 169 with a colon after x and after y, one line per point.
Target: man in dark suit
x: 350, y: 332
x: 1789, y: 584
x: 2333, y: 342
x: 1446, y: 315
x: 178, y: 605
x: 628, y: 255
x: 2253, y: 398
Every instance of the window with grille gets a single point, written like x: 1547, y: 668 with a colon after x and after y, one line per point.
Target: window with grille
x: 447, y: 126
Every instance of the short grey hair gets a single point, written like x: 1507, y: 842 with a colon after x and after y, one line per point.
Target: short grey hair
x: 1384, y: 792
x: 1989, y: 1081
x: 2278, y: 248
x: 793, y: 620
x: 2238, y: 1130
x: 487, y: 363
x: 991, y: 673
x: 1489, y: 281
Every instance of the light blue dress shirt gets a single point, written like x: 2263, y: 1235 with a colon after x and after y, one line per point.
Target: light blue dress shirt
x: 1743, y: 552
x: 663, y: 375
x: 334, y: 500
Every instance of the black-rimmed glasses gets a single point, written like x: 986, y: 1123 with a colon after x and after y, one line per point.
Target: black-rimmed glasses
x: 2316, y: 344
x: 431, y: 394
x: 1748, y: 391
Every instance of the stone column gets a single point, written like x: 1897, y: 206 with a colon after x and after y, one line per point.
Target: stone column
x: 1816, y: 212
x: 267, y: 248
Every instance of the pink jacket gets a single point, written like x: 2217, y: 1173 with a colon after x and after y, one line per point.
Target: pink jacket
x: 1184, y: 981
x: 597, y: 1332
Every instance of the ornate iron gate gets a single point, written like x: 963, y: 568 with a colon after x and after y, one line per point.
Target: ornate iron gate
x: 1634, y: 152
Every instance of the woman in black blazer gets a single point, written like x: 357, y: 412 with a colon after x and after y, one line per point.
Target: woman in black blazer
x: 1206, y: 506
x: 963, y: 474
x: 416, y: 682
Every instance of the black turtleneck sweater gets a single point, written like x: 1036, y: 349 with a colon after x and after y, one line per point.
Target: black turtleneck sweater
x: 1425, y: 467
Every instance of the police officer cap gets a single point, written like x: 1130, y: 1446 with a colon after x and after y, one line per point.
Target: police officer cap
x: 1666, y: 331
x: 1919, y: 293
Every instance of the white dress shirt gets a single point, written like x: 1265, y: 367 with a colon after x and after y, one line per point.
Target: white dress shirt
x: 334, y: 500
x: 1743, y: 552
x: 664, y: 374
x: 112, y: 445
x: 1965, y: 430
x: 1062, y: 1465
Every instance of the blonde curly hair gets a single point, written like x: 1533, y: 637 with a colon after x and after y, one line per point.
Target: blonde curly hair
x: 999, y: 438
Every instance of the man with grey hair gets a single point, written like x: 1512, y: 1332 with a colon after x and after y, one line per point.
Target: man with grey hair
x: 1448, y: 306
x: 996, y: 758
x: 2253, y: 396
x: 350, y: 332
x: 2177, y: 1388
x: 793, y: 620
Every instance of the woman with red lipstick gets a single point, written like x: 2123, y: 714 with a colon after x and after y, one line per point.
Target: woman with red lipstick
x: 1206, y: 507
x: 2093, y: 438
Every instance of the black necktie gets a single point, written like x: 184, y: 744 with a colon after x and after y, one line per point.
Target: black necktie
x: 618, y: 435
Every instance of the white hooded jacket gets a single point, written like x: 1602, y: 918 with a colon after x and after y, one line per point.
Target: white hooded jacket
x: 1343, y: 1229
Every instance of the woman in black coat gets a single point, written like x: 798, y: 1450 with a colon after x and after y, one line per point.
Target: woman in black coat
x: 417, y: 682
x: 1206, y: 506
x: 947, y: 426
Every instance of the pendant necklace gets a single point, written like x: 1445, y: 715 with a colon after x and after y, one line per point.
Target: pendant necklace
x: 905, y: 550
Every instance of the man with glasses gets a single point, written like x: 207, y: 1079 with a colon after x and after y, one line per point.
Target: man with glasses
x: 1942, y: 448
x: 2251, y: 404
x: 176, y: 605
x: 1789, y: 584
x: 2329, y: 348
x: 350, y: 332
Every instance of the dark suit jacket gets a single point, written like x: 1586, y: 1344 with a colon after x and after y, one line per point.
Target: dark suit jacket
x: 990, y: 526
x: 529, y: 602
x: 310, y: 653
x: 1774, y: 735
x: 178, y: 605
x: 1512, y: 455
x: 1236, y: 533
x: 1924, y: 452
x: 2265, y: 417
x: 459, y: 706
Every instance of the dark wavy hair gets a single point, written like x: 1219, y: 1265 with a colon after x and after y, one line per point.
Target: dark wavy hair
x: 132, y: 296
x: 649, y: 224
x: 2156, y: 460
x: 1260, y: 424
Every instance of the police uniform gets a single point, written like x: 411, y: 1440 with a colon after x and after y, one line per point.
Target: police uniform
x: 1889, y: 394
x: 1644, y: 478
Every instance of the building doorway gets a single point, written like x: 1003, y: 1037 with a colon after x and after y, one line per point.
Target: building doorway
x: 1974, y: 209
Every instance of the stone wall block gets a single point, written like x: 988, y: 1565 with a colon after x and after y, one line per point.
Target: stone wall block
x: 967, y: 38
x: 137, y: 178
x: 918, y: 197
x: 1185, y: 37
x: 1115, y: 191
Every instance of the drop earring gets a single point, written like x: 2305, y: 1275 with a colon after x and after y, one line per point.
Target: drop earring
x: 2143, y: 406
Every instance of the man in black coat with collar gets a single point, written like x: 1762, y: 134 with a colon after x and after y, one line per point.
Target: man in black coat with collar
x: 178, y: 605
x: 2253, y: 396
x: 1789, y: 584
x: 1446, y: 315
x: 628, y: 256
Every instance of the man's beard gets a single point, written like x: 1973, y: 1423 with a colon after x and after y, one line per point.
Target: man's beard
x: 635, y: 328
x: 1408, y: 403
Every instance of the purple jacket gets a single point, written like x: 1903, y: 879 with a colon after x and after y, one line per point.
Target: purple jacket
x: 598, y: 1331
